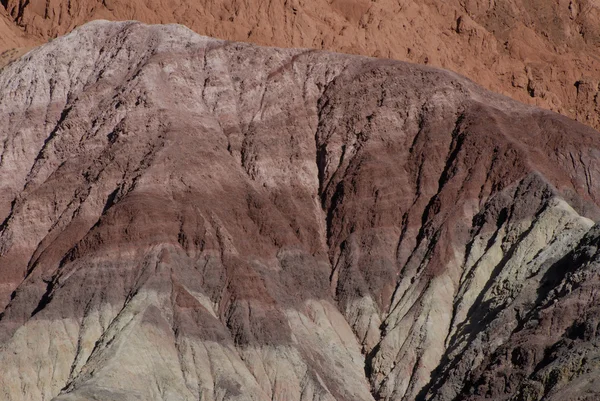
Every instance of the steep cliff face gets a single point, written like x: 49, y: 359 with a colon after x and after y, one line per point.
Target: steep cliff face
x: 537, y: 51
x: 186, y: 218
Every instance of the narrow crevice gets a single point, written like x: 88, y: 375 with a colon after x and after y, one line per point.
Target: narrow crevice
x: 456, y: 144
x: 479, y: 314
x: 40, y: 156
x: 4, y: 224
x: 19, y: 17
x: 78, y: 349
x: 369, y: 370
x: 110, y: 200
x: 321, y: 162
x: 330, y: 198
x: 46, y: 298
x: 458, y: 297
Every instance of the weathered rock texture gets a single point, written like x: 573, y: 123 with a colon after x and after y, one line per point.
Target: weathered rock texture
x: 543, y: 52
x: 184, y: 218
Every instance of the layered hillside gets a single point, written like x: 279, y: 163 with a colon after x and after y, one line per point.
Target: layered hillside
x: 184, y: 218
x: 536, y: 51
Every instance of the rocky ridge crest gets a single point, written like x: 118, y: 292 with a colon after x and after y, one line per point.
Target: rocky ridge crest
x: 536, y: 51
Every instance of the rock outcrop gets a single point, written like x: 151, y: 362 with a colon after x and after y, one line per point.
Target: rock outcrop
x: 536, y: 51
x: 184, y: 218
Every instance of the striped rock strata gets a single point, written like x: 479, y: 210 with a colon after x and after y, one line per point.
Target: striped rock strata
x: 184, y: 218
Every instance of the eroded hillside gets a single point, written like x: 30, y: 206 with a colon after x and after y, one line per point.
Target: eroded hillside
x: 185, y: 218
x: 537, y: 51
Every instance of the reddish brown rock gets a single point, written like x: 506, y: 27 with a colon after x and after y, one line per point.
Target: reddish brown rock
x: 187, y: 218
x: 539, y: 52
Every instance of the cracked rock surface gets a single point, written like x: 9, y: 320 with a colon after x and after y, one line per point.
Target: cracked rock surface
x: 185, y: 218
x: 541, y: 52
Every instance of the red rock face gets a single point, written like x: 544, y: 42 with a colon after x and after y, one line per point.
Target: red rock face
x: 188, y: 218
x: 536, y: 51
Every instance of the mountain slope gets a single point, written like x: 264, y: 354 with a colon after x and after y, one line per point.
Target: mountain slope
x: 186, y: 218
x: 536, y: 51
x: 13, y: 42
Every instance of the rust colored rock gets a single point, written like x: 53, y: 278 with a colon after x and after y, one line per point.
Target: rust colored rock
x: 534, y: 51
